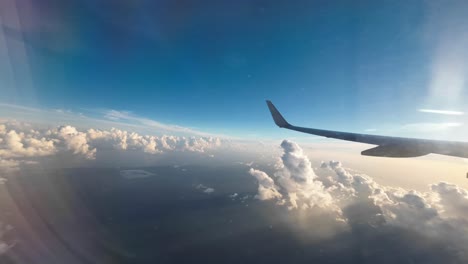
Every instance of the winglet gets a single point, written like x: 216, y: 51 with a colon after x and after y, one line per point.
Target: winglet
x: 277, y: 117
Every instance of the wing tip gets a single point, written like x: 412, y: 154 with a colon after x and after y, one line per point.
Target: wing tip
x: 277, y: 117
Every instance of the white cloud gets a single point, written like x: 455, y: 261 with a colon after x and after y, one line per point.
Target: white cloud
x: 296, y: 181
x: 124, y: 140
x: 452, y: 199
x: 267, y: 189
x: 75, y: 141
x: 29, y: 143
x: 209, y: 190
x: 440, y: 212
x: 205, y: 189
x: 117, y: 115
x: 441, y: 112
x: 20, y: 143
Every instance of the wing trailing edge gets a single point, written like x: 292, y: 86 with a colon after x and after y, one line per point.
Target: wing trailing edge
x: 395, y: 151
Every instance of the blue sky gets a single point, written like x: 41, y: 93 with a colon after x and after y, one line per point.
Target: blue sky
x: 351, y: 66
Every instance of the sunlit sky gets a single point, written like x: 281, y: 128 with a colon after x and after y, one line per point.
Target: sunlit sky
x: 394, y: 68
x: 142, y: 124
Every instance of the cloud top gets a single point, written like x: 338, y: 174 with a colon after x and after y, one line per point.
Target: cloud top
x: 21, y: 143
x: 438, y: 213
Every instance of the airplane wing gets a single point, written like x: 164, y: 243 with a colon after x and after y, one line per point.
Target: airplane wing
x: 396, y: 147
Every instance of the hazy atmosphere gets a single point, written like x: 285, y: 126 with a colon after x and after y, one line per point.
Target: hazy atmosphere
x: 137, y: 131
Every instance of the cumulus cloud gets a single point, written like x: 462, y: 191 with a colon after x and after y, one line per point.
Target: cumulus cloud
x: 267, y: 188
x: 438, y: 213
x: 20, y: 143
x: 24, y: 144
x: 5, y: 244
x: 205, y: 189
x: 124, y: 140
x: 208, y: 190
x: 452, y: 199
x: 75, y: 141
x: 297, y: 183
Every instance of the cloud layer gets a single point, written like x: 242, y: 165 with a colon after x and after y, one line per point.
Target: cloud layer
x: 439, y: 213
x: 21, y: 143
